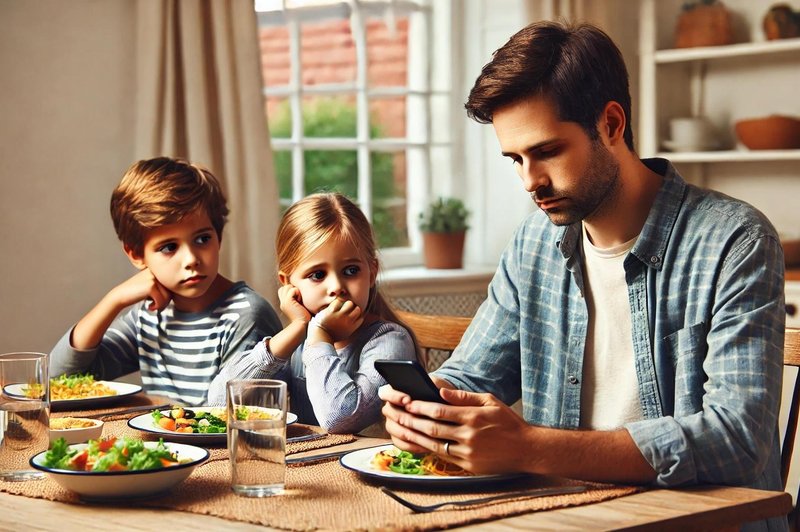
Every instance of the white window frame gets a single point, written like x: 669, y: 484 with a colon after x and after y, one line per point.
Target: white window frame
x: 429, y: 102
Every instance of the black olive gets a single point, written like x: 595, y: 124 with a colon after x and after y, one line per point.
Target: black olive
x: 188, y: 414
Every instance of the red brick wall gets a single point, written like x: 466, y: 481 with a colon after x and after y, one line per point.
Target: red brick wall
x: 328, y: 55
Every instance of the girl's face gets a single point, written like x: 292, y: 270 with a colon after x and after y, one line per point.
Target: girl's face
x: 335, y: 269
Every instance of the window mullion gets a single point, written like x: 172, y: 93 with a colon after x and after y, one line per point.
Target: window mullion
x: 359, y: 32
x: 296, y: 106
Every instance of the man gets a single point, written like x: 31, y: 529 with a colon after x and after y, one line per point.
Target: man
x: 640, y: 319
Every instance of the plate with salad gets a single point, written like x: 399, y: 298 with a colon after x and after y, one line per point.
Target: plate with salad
x: 200, y: 425
x: 70, y: 392
x: 119, y: 468
x: 388, y: 464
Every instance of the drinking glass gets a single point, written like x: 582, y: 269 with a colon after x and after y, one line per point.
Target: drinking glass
x: 257, y: 436
x: 24, y: 413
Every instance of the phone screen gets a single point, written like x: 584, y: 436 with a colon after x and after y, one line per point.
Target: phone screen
x: 410, y: 377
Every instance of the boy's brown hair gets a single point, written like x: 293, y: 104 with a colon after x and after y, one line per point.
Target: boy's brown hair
x: 160, y: 191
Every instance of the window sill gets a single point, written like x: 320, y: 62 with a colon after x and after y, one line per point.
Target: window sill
x: 418, y: 281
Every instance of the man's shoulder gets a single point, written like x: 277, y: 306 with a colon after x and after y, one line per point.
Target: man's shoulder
x: 714, y: 209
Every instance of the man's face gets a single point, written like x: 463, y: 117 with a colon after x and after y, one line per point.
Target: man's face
x: 184, y: 258
x: 569, y: 176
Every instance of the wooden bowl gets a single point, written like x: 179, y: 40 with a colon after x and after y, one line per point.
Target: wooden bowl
x: 774, y: 132
x: 791, y: 252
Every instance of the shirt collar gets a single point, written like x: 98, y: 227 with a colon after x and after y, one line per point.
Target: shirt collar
x: 652, y: 242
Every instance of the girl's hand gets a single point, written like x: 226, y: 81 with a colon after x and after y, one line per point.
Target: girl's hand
x: 341, y: 319
x: 292, y: 304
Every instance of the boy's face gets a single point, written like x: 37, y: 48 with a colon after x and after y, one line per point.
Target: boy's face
x: 335, y: 269
x: 184, y: 258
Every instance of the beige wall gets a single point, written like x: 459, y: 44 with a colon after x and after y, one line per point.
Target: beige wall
x: 66, y: 137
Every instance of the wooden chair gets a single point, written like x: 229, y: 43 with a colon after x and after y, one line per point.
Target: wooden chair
x: 791, y: 357
x: 434, y: 332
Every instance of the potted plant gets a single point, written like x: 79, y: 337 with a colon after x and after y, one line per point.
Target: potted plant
x: 443, y: 226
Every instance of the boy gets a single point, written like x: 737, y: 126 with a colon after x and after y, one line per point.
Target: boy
x: 187, y: 322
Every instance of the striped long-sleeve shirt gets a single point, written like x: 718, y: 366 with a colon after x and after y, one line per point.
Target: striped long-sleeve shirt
x: 179, y: 354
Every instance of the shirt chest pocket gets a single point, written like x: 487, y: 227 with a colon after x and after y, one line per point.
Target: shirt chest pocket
x: 686, y: 349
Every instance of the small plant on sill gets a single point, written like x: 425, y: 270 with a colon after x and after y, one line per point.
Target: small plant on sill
x: 443, y: 227
x: 445, y: 215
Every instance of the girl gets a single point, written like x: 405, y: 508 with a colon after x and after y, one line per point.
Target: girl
x: 339, y: 323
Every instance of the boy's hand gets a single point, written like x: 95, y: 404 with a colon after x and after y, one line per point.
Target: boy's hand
x: 88, y: 332
x: 142, y: 286
x: 340, y: 319
x: 292, y: 304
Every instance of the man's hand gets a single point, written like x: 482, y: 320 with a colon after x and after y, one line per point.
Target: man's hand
x: 485, y: 435
x: 338, y: 321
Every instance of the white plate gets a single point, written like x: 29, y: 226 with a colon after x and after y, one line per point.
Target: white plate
x: 146, y: 423
x: 123, y: 389
x: 125, y: 484
x: 359, y: 461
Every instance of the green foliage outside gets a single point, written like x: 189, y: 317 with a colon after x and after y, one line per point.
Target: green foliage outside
x: 337, y: 171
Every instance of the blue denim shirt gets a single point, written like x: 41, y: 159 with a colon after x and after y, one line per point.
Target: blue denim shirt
x: 705, y: 283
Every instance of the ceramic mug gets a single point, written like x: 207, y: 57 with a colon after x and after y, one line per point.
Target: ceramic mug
x: 691, y: 133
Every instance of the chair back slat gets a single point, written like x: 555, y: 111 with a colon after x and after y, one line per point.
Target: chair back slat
x: 791, y: 357
x: 434, y: 332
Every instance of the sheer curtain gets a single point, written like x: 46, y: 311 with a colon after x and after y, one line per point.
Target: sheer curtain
x: 199, y: 97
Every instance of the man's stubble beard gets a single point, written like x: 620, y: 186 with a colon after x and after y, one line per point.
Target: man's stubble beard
x: 598, y: 192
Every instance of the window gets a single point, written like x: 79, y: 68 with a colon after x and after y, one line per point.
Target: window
x: 351, y: 106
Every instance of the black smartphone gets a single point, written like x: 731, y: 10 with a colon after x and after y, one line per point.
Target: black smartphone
x: 410, y: 377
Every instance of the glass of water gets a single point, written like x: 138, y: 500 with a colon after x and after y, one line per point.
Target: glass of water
x: 257, y: 436
x: 24, y: 414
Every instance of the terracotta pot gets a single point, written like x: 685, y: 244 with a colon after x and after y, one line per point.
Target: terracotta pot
x: 704, y: 25
x: 774, y: 132
x: 443, y: 250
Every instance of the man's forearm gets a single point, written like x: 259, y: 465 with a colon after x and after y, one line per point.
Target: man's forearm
x: 603, y: 456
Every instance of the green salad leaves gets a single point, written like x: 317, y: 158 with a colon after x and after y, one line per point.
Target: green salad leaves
x: 126, y: 454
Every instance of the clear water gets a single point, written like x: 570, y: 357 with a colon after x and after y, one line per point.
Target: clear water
x: 258, y: 457
x: 23, y: 433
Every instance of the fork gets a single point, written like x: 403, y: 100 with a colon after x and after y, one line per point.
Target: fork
x: 540, y: 492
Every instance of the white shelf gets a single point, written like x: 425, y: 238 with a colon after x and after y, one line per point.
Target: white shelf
x: 678, y: 55
x: 731, y: 156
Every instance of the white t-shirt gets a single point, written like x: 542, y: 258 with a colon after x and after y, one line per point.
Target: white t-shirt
x: 610, y: 389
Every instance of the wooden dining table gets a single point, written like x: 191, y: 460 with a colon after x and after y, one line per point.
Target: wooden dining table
x: 693, y: 508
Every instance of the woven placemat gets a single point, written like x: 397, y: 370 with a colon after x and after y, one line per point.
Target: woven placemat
x: 329, y: 497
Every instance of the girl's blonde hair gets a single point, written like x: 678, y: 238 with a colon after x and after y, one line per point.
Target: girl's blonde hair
x: 316, y: 219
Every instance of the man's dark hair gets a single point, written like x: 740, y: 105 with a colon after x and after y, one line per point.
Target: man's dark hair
x: 578, y: 67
